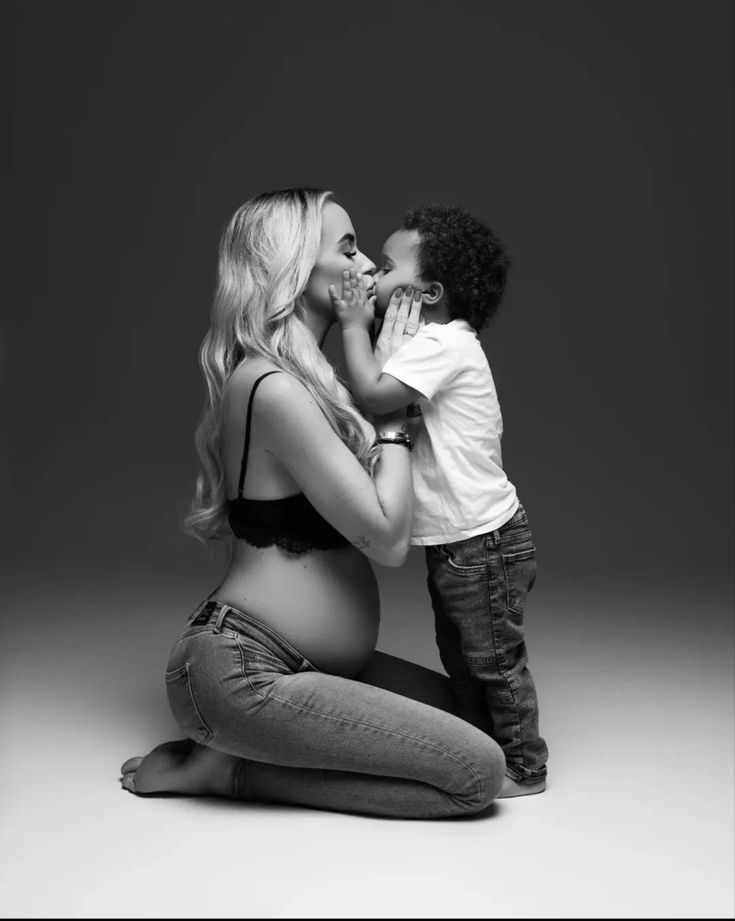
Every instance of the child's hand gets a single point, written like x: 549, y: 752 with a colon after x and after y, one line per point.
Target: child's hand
x: 354, y: 309
x: 401, y: 322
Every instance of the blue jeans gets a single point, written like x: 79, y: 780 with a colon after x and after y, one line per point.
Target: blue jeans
x: 478, y: 589
x: 315, y: 739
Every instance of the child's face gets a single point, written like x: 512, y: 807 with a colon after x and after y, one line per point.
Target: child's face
x: 398, y: 267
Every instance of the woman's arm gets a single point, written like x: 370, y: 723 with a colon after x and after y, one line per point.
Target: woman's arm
x: 373, y: 514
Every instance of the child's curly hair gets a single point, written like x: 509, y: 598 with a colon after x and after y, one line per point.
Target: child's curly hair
x: 465, y: 256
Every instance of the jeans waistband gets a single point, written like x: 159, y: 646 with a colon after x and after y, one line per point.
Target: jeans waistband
x: 221, y: 615
x: 518, y: 518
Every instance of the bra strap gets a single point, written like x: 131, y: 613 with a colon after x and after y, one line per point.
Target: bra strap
x: 246, y: 448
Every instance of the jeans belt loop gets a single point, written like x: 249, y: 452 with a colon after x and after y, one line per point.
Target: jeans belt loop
x: 223, y: 612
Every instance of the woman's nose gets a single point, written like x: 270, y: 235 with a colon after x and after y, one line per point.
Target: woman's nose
x: 368, y: 267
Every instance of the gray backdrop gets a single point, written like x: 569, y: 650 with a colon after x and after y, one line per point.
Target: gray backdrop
x: 595, y: 138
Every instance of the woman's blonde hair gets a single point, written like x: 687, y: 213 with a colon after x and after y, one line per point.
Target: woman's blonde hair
x: 266, y: 255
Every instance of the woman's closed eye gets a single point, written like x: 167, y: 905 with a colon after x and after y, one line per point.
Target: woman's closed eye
x: 351, y: 255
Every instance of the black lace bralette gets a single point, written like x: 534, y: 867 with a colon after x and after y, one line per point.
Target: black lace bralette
x: 291, y: 523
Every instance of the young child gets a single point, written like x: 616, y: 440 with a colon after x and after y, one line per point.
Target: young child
x: 479, y: 550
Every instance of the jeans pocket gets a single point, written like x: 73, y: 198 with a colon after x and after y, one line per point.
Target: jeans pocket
x: 520, y: 574
x: 183, y: 704
x: 258, y: 659
x: 465, y: 557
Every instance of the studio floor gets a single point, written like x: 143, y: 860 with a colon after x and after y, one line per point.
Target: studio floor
x: 637, y: 821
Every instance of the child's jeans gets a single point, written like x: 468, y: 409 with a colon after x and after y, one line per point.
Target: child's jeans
x: 478, y: 589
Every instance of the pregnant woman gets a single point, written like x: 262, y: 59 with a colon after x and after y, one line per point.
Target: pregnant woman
x: 275, y: 679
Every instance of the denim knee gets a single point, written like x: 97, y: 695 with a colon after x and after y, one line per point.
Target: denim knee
x: 495, y: 770
x: 488, y: 762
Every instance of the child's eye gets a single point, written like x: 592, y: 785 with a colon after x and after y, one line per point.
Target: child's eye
x: 385, y: 270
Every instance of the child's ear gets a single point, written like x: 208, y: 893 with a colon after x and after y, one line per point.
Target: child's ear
x: 433, y: 293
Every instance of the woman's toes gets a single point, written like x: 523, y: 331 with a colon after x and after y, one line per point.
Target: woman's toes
x: 132, y: 764
x: 128, y: 782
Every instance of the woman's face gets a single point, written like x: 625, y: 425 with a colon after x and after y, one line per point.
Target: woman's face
x: 338, y: 251
x: 398, y: 268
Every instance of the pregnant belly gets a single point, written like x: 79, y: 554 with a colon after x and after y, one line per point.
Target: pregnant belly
x: 325, y: 603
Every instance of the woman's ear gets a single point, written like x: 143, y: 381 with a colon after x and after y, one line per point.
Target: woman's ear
x: 433, y: 293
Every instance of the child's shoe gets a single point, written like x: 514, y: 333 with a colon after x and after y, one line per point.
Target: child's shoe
x: 513, y: 788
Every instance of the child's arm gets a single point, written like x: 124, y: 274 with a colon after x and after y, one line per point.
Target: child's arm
x: 375, y: 392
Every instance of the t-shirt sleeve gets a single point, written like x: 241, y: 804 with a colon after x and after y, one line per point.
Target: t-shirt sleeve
x: 425, y: 363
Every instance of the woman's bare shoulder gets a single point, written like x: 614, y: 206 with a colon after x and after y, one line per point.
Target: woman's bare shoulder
x: 247, y: 372
x: 278, y: 391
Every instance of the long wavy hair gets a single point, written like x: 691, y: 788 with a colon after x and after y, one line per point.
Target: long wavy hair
x: 266, y: 255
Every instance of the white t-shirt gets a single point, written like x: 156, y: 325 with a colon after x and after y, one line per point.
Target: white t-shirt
x: 460, y: 488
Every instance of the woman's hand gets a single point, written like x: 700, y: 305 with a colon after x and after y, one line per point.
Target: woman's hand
x: 354, y: 308
x: 401, y: 322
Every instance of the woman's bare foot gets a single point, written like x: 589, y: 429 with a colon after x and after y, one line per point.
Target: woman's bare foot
x: 180, y: 767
